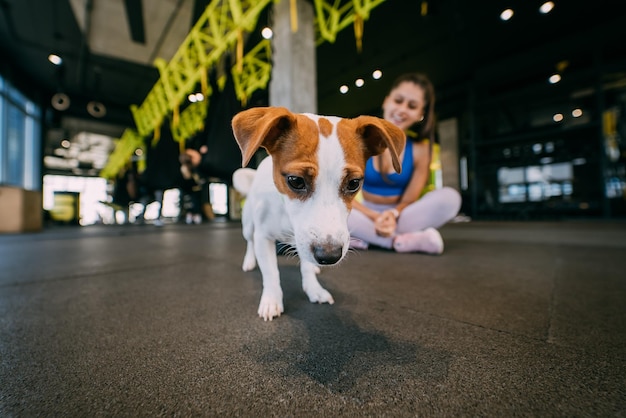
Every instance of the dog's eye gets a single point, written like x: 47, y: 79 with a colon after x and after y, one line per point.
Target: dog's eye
x: 295, y: 183
x: 353, y: 185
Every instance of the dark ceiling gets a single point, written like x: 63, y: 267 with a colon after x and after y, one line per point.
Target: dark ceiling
x: 455, y: 42
x: 459, y: 42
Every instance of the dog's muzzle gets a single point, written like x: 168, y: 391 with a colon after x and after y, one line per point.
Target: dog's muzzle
x: 327, y: 253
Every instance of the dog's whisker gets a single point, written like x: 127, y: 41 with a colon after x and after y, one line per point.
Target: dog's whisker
x: 292, y: 253
x: 287, y: 249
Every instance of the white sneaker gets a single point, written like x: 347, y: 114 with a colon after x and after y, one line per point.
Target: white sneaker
x: 436, y: 242
x: 358, y: 244
x: 428, y: 241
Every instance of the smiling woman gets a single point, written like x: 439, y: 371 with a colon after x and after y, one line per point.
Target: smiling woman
x: 396, y: 212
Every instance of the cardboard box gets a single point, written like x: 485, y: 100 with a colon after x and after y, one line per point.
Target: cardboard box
x: 20, y: 210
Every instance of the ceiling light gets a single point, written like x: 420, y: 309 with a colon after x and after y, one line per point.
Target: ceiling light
x: 195, y: 97
x: 343, y: 89
x: 554, y: 78
x: 55, y: 59
x: 577, y: 113
x: 267, y: 33
x: 546, y: 7
x: 359, y: 82
x: 558, y: 117
x: 96, y: 109
x: 377, y: 74
x: 506, y: 14
x: 60, y: 101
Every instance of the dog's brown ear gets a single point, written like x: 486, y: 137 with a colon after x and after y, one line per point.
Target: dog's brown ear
x: 260, y: 127
x: 379, y: 134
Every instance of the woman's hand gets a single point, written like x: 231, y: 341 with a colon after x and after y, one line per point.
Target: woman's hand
x: 385, y: 223
x: 194, y: 156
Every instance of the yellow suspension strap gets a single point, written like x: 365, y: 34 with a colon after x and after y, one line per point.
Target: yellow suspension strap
x: 240, y: 50
x: 156, y: 136
x: 176, y: 115
x: 204, y: 84
x: 361, y: 14
x: 358, y: 32
x: 293, y: 13
x: 181, y: 146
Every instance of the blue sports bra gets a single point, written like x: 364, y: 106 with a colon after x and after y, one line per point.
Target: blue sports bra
x: 395, y: 183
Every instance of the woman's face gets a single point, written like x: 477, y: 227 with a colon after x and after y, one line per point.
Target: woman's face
x: 404, y: 105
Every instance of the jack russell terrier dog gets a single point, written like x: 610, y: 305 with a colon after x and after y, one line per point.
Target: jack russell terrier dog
x: 302, y: 193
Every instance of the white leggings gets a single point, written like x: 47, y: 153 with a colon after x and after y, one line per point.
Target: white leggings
x: 432, y: 210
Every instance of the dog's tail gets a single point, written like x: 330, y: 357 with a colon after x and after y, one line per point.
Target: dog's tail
x: 242, y: 180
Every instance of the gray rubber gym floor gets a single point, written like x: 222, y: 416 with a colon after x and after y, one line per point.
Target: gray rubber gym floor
x: 514, y: 319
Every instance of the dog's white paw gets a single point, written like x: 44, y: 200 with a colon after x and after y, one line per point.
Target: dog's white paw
x: 249, y: 260
x: 317, y: 294
x: 249, y: 263
x: 271, y: 306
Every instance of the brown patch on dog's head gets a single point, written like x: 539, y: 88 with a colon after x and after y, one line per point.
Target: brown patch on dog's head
x: 326, y: 127
x: 296, y: 156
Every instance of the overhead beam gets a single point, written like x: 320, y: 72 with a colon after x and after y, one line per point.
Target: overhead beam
x: 134, y: 15
x: 199, y: 6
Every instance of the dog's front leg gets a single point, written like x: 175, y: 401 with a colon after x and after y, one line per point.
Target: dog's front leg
x: 312, y: 287
x: 272, y: 297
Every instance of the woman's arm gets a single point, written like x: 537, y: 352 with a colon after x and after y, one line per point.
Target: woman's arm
x: 370, y: 213
x: 421, y: 172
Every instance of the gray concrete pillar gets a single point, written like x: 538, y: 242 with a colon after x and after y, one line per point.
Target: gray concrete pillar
x: 294, y: 79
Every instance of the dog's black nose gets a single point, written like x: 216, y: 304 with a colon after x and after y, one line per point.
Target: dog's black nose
x: 327, y: 253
